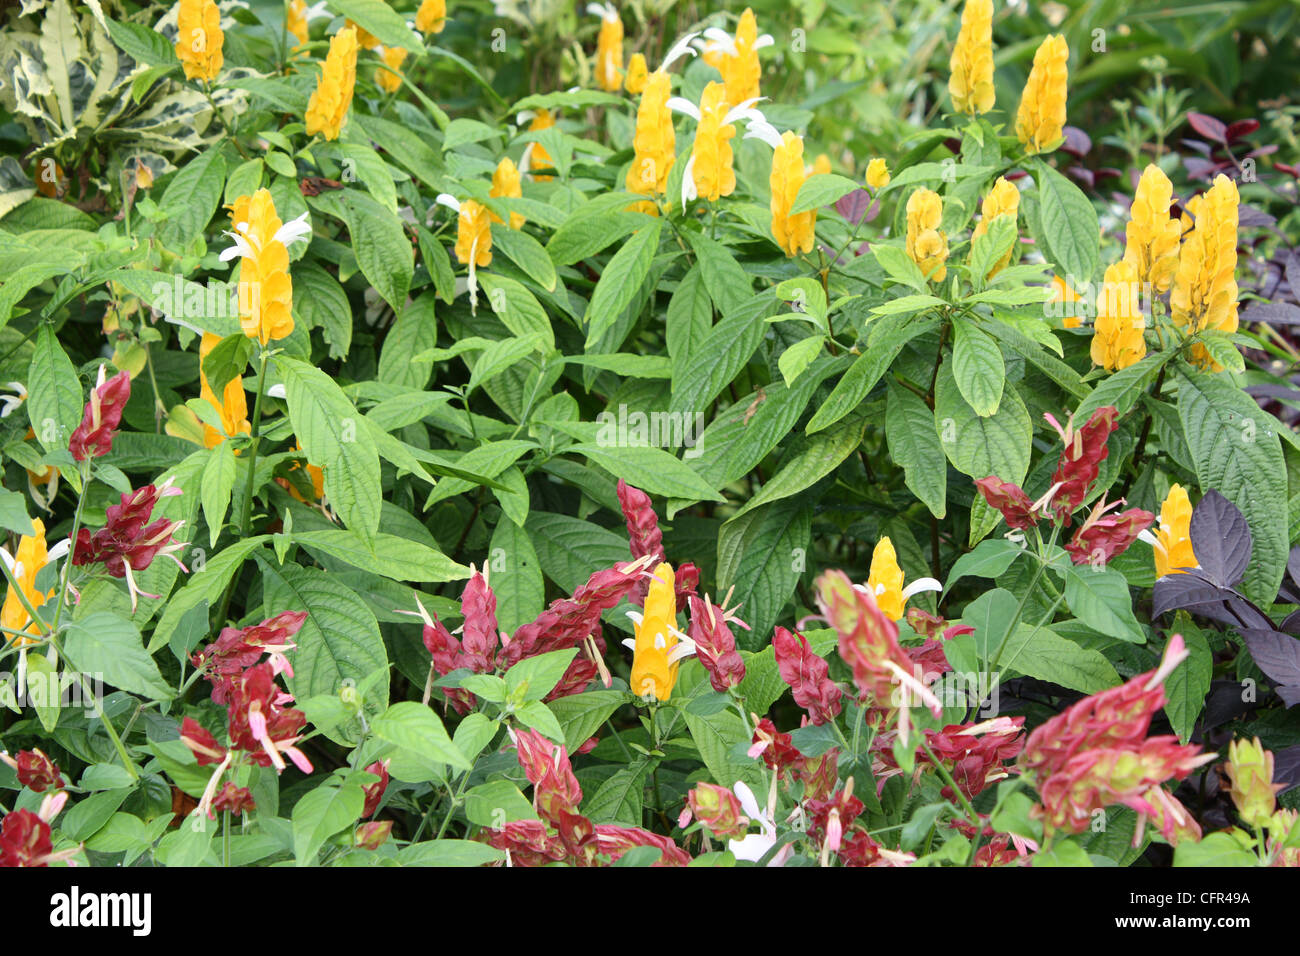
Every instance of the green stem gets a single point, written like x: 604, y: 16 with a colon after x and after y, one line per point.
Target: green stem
x: 246, y: 516
x: 76, y: 529
x: 225, y: 838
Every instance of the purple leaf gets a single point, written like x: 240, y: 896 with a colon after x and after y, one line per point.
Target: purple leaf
x: 1191, y: 592
x: 1286, y: 766
x: 1208, y: 126
x: 1289, y: 693
x: 1223, y: 703
x: 1291, y: 623
x: 1252, y: 218
x: 1275, y: 653
x: 1240, y: 128
x: 1293, y: 273
x: 1077, y: 142
x: 853, y: 206
x: 1221, y: 539
x: 1275, y: 313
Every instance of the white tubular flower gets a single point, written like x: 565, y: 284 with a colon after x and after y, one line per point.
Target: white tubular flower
x: 11, y: 402
x: 762, y: 129
x: 689, y: 191
x: 679, y: 105
x: 679, y: 50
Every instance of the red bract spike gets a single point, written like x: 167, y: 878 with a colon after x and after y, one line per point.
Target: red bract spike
x: 808, y: 676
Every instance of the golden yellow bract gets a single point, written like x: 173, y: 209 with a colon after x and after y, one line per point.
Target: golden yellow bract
x: 1041, y: 117
x: 1152, y: 236
x: 885, y: 580
x: 32, y: 556
x: 654, y: 667
x: 431, y: 17
x: 506, y: 185
x: 199, y: 39
x: 1204, y: 291
x: 971, y: 83
x: 233, y: 404
x: 711, y: 157
x: 1003, y: 200
x: 327, y: 110
x: 926, y: 243
x: 1117, y: 339
x: 1173, y: 548
x: 794, y: 233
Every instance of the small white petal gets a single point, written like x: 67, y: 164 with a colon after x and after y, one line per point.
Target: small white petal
x: 1148, y: 537
x: 448, y: 200
x: 680, y: 105
x: 747, y: 801
x: 919, y: 585
x: 277, y: 391
x: 629, y: 643
x: 678, y: 50
x: 764, y: 41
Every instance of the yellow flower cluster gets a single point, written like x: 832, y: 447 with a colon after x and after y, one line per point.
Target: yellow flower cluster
x: 609, y: 51
x: 431, y: 17
x: 233, y: 405
x: 537, y: 155
x: 1003, y: 200
x: 1041, y: 116
x: 327, y: 110
x: 1173, y: 548
x: 793, y: 233
x: 295, y: 21
x: 971, y: 83
x: 1204, y: 291
x: 877, y: 175
x: 199, y: 39
x: 739, y: 67
x: 637, y: 72
x: 1117, y: 335
x: 266, y: 309
x: 655, y: 142
x: 389, y: 76
x: 927, y: 245
x: 1153, y: 237
x: 32, y: 556
x: 711, y: 157
x: 654, y: 665
x: 474, y: 234
x: 506, y: 185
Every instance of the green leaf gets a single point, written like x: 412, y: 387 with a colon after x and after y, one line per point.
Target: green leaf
x: 1123, y: 389
x: 581, y: 715
x: 457, y: 853
x: 214, y: 492
x: 815, y: 458
x: 1186, y: 688
x: 822, y: 189
x: 900, y: 267
x: 13, y: 513
x: 192, y: 196
x: 321, y: 302
x: 107, y: 646
x: 1069, y: 228
x: 620, y: 280
x: 1216, y: 849
x: 377, y: 17
x: 914, y: 445
x: 978, y: 368
x: 1099, y: 597
x: 331, y: 434
x: 338, y: 642
x: 414, y: 727
x: 618, y: 800
x: 728, y: 285
x: 525, y: 252
x: 571, y: 550
x: 805, y: 296
x: 143, y: 44
x: 205, y: 585
x: 887, y: 341
x: 989, y: 559
x: 653, y: 470
x: 516, y: 576
x: 54, y: 402
x: 726, y: 349
x: 322, y: 813
x: 391, y: 555
x: 1041, y: 653
x: 414, y: 332
x: 538, y: 675
x: 1237, y: 452
x: 517, y: 308
x: 227, y: 361
x: 761, y: 555
x: 497, y: 803
x: 382, y: 249
x: 795, y: 360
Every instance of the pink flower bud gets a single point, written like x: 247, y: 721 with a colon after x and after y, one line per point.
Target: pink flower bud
x: 808, y: 676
